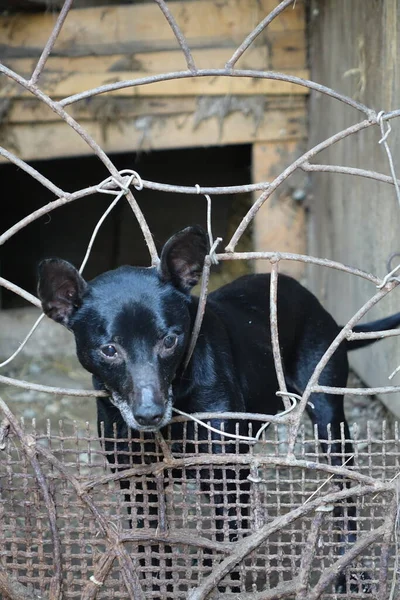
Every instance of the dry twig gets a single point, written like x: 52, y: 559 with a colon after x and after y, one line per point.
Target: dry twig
x: 234, y: 552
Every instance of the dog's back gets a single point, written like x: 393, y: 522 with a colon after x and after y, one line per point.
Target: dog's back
x: 244, y: 308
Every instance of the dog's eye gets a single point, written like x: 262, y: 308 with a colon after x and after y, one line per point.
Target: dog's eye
x: 109, y: 351
x: 170, y: 341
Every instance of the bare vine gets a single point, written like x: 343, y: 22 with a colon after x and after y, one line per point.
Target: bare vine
x: 234, y: 553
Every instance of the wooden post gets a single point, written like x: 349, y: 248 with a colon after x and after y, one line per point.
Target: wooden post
x: 280, y: 223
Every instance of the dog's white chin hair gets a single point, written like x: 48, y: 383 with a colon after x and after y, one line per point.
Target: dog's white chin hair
x: 127, y: 414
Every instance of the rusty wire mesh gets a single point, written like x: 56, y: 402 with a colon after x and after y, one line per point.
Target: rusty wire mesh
x: 285, y: 514
x: 67, y: 532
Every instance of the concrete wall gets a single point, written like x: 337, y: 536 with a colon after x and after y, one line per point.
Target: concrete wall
x: 354, y: 48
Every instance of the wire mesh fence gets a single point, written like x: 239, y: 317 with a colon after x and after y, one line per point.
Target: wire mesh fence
x: 271, y: 520
x: 182, y: 505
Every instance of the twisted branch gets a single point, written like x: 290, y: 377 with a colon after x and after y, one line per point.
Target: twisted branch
x: 234, y: 552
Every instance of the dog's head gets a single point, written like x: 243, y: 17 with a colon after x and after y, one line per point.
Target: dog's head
x: 131, y: 325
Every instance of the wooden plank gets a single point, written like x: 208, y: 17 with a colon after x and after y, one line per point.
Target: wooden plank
x: 26, y: 111
x: 282, y: 50
x: 106, y: 109
x: 280, y: 222
x: 130, y: 28
x: 28, y: 5
x: 51, y: 140
x: 68, y: 84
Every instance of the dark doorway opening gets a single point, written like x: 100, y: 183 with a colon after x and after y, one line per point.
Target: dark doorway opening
x: 65, y: 232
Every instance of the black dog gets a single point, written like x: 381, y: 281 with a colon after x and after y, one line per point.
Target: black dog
x: 132, y: 327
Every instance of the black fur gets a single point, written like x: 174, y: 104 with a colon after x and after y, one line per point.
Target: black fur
x: 146, y: 316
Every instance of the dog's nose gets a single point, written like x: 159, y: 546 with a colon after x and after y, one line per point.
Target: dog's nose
x: 149, y: 411
x: 148, y: 418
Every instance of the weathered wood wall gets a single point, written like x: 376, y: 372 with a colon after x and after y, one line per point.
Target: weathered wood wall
x: 105, y: 44
x: 355, y: 50
x: 101, y: 45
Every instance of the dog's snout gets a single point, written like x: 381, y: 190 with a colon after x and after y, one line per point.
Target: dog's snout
x: 149, y: 410
x: 149, y: 419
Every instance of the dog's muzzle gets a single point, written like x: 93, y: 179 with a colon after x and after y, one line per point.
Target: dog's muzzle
x: 144, y: 414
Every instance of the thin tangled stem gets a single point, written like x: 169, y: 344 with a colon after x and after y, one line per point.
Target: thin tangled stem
x: 233, y: 553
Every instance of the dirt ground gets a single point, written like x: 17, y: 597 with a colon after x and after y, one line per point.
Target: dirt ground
x: 61, y: 372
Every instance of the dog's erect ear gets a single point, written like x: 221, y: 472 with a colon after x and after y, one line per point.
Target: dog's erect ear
x: 182, y: 258
x: 60, y: 289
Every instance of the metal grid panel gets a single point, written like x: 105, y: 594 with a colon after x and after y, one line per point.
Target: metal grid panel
x: 168, y: 523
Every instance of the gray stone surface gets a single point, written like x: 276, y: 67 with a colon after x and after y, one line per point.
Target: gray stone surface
x: 48, y: 340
